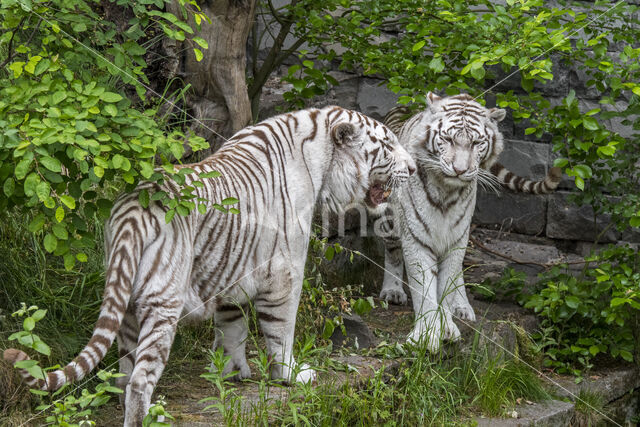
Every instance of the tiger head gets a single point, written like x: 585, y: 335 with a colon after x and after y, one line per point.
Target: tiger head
x: 368, y: 162
x: 459, y: 139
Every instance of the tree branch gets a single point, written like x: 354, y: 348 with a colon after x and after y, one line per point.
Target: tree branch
x: 10, y: 48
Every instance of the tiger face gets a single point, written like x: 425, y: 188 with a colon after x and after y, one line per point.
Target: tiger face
x: 368, y: 164
x: 462, y: 139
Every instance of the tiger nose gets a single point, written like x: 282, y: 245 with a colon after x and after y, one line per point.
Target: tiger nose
x: 458, y: 171
x: 412, y: 169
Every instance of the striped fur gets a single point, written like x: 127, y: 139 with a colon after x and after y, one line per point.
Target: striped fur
x: 212, y: 265
x: 455, y: 143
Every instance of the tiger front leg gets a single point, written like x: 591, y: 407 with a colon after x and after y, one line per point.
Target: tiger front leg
x: 277, y: 308
x: 451, y: 287
x: 422, y: 273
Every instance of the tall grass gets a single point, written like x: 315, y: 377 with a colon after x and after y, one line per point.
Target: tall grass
x: 422, y: 390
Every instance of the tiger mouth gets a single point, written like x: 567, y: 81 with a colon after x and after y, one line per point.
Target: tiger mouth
x: 378, y: 194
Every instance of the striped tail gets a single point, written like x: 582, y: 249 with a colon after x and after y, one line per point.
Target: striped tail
x: 119, y: 281
x: 523, y: 185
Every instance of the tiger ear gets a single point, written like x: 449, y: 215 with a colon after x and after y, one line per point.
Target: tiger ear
x: 432, y: 101
x: 345, y: 134
x: 497, y: 114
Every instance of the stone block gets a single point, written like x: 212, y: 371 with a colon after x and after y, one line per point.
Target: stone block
x: 527, y: 159
x: 358, y: 333
x: 551, y: 413
x: 565, y: 220
x: 521, y: 213
x: 374, y: 99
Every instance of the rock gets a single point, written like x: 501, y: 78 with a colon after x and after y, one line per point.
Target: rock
x: 551, y: 413
x: 374, y: 99
x: 625, y: 410
x: 565, y: 220
x: 611, y: 383
x: 527, y: 159
x: 520, y: 213
x: 358, y: 333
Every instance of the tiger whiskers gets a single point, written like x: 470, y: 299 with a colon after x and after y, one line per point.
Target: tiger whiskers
x: 489, y: 181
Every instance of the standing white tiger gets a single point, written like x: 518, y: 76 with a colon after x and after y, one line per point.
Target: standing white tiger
x: 455, y: 143
x: 214, y: 264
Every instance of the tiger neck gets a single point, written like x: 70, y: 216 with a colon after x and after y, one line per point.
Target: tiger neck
x: 441, y: 193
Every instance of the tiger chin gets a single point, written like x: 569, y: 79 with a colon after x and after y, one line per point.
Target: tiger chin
x: 455, y: 142
x: 212, y: 265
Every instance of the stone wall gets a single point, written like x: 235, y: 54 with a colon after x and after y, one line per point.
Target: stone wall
x: 548, y: 216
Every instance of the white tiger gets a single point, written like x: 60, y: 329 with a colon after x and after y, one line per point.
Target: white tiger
x: 214, y: 264
x: 455, y: 142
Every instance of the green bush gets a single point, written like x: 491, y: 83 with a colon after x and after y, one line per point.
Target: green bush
x: 69, y: 127
x: 597, y: 313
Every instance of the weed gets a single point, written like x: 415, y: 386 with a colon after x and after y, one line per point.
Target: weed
x: 589, y: 408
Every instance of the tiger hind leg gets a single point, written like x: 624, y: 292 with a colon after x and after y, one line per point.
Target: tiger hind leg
x: 127, y: 340
x: 392, y: 290
x: 277, y: 310
x: 231, y: 336
x: 157, y: 305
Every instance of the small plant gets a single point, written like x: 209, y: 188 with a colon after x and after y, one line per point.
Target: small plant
x: 508, y: 286
x: 157, y: 415
x: 227, y: 402
x: 68, y: 410
x: 589, y: 409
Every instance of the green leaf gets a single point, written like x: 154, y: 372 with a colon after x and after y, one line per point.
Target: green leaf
x: 169, y: 215
x: 28, y: 324
x: 69, y: 201
x: 419, y: 45
x: 636, y: 90
x: 42, y: 348
x: 43, y: 190
x: 110, y: 97
x: 82, y: 257
x: 111, y: 110
x: 572, y: 302
x: 198, y: 54
x: 201, y: 42
x: 9, y: 187
x: 229, y: 201
x: 60, y: 231
x: 22, y: 168
x: 36, y: 223
x: 50, y: 242
x: 58, y: 97
x: 212, y: 174
x: 590, y: 123
x: 329, y: 253
x: 69, y: 261
x: 59, y: 214
x: 143, y: 198
x: 146, y: 169
x: 39, y: 315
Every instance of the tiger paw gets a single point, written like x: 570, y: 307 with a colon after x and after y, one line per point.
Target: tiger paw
x: 241, y: 366
x: 306, y: 374
x: 464, y: 312
x: 394, y: 296
x: 451, y: 331
x: 431, y: 336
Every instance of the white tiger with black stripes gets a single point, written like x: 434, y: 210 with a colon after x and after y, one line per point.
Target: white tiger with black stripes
x: 214, y: 264
x: 455, y: 142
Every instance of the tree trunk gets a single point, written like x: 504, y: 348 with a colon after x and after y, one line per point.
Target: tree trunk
x: 218, y: 99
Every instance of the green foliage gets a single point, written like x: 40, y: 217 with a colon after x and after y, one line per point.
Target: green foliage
x: 462, y: 46
x: 157, y: 414
x: 421, y: 391
x: 594, y: 314
x: 69, y: 127
x: 68, y: 410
